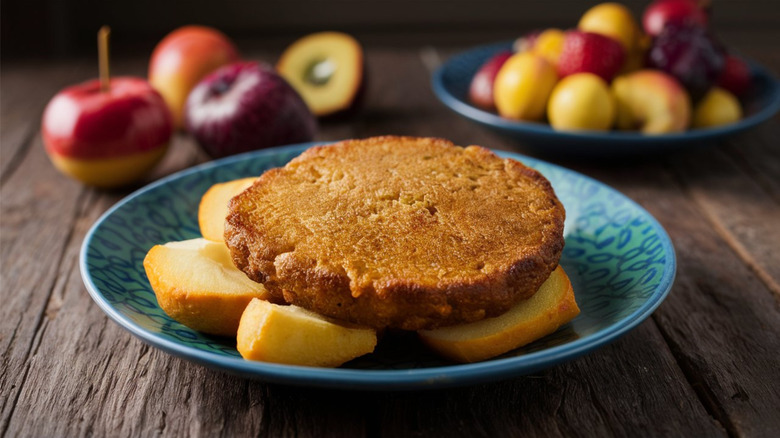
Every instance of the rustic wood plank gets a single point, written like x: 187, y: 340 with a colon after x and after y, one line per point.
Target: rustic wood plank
x: 757, y: 152
x: 720, y: 320
x: 26, y: 88
x: 39, y: 207
x: 127, y: 388
x: 621, y: 390
x: 589, y: 396
x: 726, y: 296
x: 640, y: 179
x: 758, y: 156
x: 114, y: 383
x: 740, y: 204
x: 740, y: 210
x: 132, y: 389
x: 63, y: 348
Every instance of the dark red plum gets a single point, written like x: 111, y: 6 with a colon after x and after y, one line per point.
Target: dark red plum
x: 690, y: 54
x: 736, y: 76
x: 246, y: 106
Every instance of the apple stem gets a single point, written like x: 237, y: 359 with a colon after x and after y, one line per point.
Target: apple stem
x: 105, y: 73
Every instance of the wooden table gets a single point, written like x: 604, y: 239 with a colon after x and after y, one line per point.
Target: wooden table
x: 707, y: 363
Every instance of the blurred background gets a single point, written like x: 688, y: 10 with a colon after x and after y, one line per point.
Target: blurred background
x: 64, y: 28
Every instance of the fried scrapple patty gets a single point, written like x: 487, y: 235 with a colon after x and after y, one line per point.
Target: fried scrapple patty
x: 401, y: 232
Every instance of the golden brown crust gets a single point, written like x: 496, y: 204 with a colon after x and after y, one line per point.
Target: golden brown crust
x: 399, y: 232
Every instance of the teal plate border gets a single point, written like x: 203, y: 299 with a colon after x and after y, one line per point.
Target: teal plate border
x: 619, y: 258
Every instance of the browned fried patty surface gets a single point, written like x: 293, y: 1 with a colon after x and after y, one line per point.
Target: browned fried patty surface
x: 399, y: 232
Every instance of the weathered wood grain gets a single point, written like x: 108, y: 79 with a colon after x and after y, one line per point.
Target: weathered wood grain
x: 109, y: 382
x: 720, y: 319
x: 757, y: 152
x: 39, y: 247
x: 600, y: 394
x: 25, y: 90
x: 705, y: 364
x: 758, y: 155
x: 727, y: 331
x: 740, y: 210
x: 731, y: 208
x: 39, y: 210
x: 621, y: 390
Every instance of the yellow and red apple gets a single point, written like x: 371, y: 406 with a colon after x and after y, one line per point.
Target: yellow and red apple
x: 613, y: 20
x: 197, y: 284
x: 651, y: 101
x: 213, y: 207
x: 523, y: 86
x: 549, y: 45
x: 552, y: 306
x: 327, y: 70
x: 107, y: 138
x: 581, y: 102
x: 717, y: 108
x: 481, y: 87
x: 183, y: 58
x: 295, y: 336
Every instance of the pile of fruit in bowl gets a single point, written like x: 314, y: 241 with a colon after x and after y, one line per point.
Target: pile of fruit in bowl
x: 110, y: 132
x: 666, y: 76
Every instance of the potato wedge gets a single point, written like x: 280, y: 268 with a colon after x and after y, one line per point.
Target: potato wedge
x: 213, y: 207
x: 295, y: 336
x: 551, y: 307
x: 197, y: 284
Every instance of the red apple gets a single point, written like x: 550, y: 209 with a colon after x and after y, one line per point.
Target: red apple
x: 183, y: 58
x: 107, y: 138
x: 735, y: 76
x: 661, y: 12
x: 246, y: 106
x: 481, y: 89
x: 590, y: 52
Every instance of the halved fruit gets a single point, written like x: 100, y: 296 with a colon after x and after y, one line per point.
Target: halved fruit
x: 326, y: 68
x: 295, y: 336
x: 213, y: 208
x: 651, y: 101
x: 548, y: 309
x: 197, y: 284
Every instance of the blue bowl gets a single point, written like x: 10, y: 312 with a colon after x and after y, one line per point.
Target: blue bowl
x: 451, y: 84
x: 619, y: 259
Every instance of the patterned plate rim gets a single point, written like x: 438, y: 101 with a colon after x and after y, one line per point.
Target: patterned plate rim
x: 421, y: 378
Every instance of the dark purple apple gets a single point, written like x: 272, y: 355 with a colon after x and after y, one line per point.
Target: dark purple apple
x: 246, y: 106
x: 481, y: 89
x: 690, y: 54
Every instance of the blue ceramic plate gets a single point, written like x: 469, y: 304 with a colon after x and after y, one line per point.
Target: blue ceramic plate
x: 620, y: 260
x: 452, y: 80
